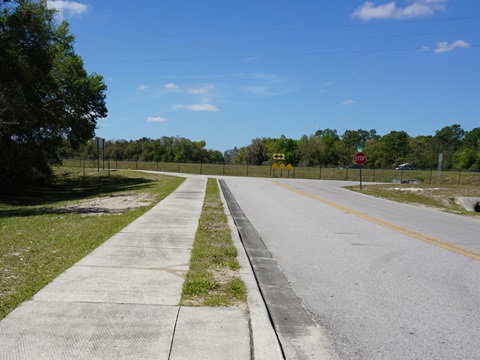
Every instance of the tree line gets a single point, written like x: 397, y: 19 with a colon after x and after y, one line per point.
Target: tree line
x: 164, y: 149
x: 49, y: 107
x: 460, y: 149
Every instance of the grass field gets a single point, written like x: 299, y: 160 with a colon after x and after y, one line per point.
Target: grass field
x: 454, y: 177
x: 39, y: 239
x: 443, y: 197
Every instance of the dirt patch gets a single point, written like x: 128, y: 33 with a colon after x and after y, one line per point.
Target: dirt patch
x: 412, y: 189
x: 115, y: 204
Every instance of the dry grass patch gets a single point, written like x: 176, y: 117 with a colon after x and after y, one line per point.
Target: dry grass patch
x: 443, y: 197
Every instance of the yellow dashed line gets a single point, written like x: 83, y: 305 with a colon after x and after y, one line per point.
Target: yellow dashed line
x: 403, y: 230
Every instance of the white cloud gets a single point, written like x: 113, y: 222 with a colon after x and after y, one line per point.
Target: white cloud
x: 156, y: 119
x: 347, y: 102
x: 197, y: 107
x: 171, y: 87
x: 142, y: 88
x: 67, y: 8
x: 200, y: 90
x: 444, y: 46
x: 202, y: 107
x: 390, y: 10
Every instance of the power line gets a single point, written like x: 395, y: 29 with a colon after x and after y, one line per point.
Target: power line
x: 308, y: 41
x: 253, y: 56
x: 281, y: 29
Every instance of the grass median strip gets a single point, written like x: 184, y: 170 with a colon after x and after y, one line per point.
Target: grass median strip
x: 44, y: 232
x: 213, y: 278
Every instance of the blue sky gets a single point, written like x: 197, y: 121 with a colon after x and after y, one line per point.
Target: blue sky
x: 230, y: 71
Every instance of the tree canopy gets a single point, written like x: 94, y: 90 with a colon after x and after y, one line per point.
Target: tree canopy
x: 46, y: 95
x: 461, y: 149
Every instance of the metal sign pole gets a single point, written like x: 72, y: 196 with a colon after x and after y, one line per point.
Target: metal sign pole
x: 361, y: 177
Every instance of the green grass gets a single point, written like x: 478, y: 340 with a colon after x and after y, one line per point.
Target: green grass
x: 442, y: 197
x: 38, y: 243
x: 454, y: 177
x: 213, y: 278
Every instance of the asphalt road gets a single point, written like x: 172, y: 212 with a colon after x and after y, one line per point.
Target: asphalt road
x: 384, y: 280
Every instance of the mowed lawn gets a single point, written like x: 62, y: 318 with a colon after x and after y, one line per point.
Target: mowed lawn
x: 40, y: 237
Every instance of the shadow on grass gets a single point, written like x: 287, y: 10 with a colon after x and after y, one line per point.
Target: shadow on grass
x: 67, y: 189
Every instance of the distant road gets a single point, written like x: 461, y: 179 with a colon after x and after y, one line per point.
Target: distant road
x: 384, y: 280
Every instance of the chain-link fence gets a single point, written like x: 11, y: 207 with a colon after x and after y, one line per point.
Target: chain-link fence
x: 430, y: 176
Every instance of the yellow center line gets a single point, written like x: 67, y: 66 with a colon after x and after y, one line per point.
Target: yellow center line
x: 415, y: 234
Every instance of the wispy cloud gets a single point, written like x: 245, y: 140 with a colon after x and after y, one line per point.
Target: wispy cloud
x: 326, y: 85
x: 269, y: 85
x: 444, y: 46
x: 424, y: 49
x: 68, y: 8
x: 156, y: 119
x: 200, y: 90
x: 171, y: 87
x: 418, y: 8
x: 142, y: 87
x: 197, y: 107
x: 348, y: 102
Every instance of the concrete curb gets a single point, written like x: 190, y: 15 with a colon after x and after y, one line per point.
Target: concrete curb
x: 264, y: 341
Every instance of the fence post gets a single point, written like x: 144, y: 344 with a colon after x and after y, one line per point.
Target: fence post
x: 431, y: 174
x: 459, y: 176
x: 247, y: 170
x: 373, y: 173
x: 320, y: 172
x: 201, y: 167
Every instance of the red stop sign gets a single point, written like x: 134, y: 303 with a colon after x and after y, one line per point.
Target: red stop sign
x: 360, y: 158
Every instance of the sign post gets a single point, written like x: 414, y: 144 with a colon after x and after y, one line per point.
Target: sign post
x: 278, y: 157
x: 101, y: 145
x: 360, y: 159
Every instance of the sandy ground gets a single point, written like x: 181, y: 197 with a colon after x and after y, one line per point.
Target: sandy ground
x: 108, y: 204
